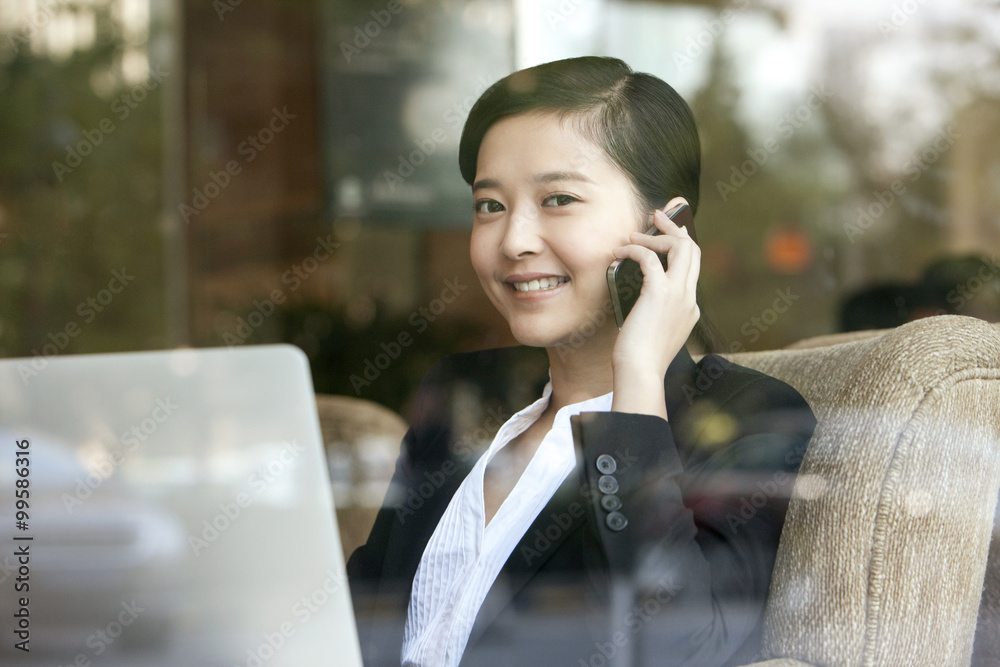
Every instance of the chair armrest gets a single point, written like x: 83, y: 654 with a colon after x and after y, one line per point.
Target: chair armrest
x: 884, y: 547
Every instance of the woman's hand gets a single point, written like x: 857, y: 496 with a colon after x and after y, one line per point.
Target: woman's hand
x: 661, y: 319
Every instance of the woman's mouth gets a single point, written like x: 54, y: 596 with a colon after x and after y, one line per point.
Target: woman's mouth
x: 540, y: 284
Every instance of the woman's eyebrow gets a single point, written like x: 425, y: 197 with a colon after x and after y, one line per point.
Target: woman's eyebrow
x: 553, y: 176
x: 547, y: 177
x: 485, y: 183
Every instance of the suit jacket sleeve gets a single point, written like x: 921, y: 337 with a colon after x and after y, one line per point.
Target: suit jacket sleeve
x: 702, y: 502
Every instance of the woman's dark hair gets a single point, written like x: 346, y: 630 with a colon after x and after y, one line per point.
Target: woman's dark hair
x: 642, y: 124
x: 639, y: 120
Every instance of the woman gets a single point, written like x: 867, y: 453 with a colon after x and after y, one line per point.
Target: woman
x: 632, y: 513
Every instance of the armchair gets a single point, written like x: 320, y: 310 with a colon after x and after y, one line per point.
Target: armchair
x: 889, y: 533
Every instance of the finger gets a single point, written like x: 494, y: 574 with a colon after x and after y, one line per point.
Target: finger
x: 686, y: 261
x: 693, y: 268
x: 667, y: 226
x: 647, y: 259
x: 683, y: 257
x: 663, y: 243
x: 675, y: 280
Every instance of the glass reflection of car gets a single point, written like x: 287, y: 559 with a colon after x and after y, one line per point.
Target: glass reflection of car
x: 95, y: 559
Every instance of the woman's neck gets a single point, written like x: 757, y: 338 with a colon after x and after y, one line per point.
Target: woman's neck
x: 579, y: 373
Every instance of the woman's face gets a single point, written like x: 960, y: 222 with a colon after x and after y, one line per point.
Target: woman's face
x: 549, y: 209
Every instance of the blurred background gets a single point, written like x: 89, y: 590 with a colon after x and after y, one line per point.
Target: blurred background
x: 229, y: 173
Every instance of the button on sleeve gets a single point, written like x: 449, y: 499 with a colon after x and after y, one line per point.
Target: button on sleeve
x: 606, y: 464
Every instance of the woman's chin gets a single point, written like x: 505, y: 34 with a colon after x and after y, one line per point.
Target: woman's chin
x: 534, y: 340
x: 553, y: 338
x: 536, y: 336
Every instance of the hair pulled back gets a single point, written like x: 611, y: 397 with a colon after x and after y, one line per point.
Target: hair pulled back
x: 641, y: 123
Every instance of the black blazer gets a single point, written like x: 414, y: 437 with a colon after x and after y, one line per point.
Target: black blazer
x: 658, y: 550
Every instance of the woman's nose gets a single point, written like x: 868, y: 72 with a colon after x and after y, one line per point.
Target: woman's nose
x: 522, y: 235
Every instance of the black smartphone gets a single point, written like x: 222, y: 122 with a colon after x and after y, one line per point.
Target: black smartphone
x: 625, y: 276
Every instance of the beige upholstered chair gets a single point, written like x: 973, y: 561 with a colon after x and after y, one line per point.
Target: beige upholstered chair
x: 884, y: 552
x: 361, y: 439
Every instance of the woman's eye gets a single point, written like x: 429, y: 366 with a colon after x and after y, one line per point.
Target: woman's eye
x: 488, y: 206
x: 559, y: 200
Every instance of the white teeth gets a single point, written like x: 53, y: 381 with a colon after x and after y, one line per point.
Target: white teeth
x: 540, y: 284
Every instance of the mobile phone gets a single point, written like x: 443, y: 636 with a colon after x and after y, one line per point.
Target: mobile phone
x: 625, y: 276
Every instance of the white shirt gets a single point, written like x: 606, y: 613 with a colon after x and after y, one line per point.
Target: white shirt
x: 464, y: 555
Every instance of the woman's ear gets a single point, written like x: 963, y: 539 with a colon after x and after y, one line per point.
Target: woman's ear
x: 673, y: 205
x: 683, y: 219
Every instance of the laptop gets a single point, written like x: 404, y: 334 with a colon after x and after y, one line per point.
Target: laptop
x: 174, y: 509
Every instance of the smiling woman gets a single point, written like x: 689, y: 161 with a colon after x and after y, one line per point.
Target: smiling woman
x: 544, y: 232
x: 597, y: 522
